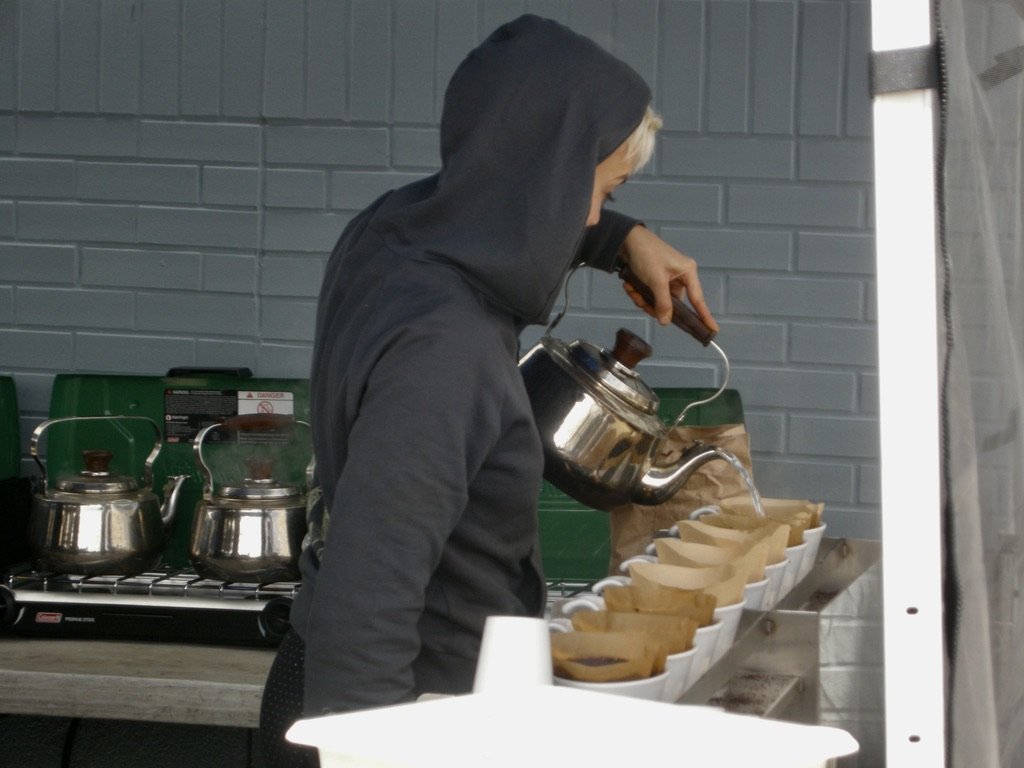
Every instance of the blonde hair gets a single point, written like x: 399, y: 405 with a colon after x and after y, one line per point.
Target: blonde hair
x: 640, y: 144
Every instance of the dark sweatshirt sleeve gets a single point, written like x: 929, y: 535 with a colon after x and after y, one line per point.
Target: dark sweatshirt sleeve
x: 602, y: 242
x: 427, y: 417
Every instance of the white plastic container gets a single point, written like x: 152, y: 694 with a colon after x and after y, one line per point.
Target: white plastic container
x: 515, y: 652
x: 514, y: 729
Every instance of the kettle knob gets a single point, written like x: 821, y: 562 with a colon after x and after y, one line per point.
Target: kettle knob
x: 97, y: 462
x: 260, y: 467
x: 630, y: 349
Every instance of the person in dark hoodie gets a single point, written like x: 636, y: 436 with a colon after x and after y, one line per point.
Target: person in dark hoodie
x: 427, y: 455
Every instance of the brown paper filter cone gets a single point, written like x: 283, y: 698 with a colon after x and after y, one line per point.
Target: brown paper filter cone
x: 799, y: 514
x: 633, y: 525
x: 743, y: 522
x: 604, y: 657
x: 775, y: 533
x: 674, y: 632
x: 673, y: 551
x: 751, y: 560
x: 659, y: 599
x: 722, y: 581
x: 702, y: 533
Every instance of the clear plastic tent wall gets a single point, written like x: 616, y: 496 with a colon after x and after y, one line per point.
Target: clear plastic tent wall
x: 981, y: 330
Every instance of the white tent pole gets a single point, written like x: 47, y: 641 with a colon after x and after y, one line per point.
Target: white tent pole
x: 904, y: 132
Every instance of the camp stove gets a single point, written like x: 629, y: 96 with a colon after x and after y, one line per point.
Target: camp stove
x: 163, y: 605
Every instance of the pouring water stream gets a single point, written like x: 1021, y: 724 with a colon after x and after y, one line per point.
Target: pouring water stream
x: 745, y: 476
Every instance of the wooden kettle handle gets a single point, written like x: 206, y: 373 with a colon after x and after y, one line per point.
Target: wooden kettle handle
x: 682, y: 315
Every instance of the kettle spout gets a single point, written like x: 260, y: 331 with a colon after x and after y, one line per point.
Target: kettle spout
x: 660, y: 484
x: 172, y: 490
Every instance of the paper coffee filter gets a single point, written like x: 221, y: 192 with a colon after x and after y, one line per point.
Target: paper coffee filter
x: 701, y: 532
x: 783, y: 510
x: 605, y: 657
x: 723, y: 581
x: 670, y: 549
x: 650, y: 597
x: 680, y: 576
x: 760, y: 528
x: 728, y: 591
x: 751, y: 560
x: 674, y: 632
x: 795, y: 524
x: 634, y: 525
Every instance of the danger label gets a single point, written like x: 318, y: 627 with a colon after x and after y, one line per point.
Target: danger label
x: 255, y: 401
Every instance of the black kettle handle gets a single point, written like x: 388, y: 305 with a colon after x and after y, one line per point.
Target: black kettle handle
x: 682, y: 315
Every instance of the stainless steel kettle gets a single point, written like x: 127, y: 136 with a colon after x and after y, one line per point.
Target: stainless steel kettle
x: 251, y: 531
x: 604, y: 443
x: 96, y: 522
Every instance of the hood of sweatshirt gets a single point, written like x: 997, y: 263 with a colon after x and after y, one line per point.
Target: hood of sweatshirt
x: 527, y: 117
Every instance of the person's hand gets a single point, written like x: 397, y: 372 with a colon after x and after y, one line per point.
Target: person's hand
x: 667, y: 272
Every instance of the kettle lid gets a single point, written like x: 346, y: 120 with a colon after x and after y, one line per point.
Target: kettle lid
x: 259, y: 490
x: 96, y: 477
x: 260, y: 484
x: 613, y: 370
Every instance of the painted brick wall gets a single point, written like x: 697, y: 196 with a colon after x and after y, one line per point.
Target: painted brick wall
x: 852, y: 682
x: 173, y: 172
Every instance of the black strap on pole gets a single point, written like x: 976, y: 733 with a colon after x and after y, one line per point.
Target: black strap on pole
x: 904, y: 69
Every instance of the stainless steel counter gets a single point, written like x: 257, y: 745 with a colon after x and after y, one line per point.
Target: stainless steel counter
x: 772, y: 668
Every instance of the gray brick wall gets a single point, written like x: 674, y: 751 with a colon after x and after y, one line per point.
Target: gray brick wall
x: 174, y: 172
x: 851, y: 687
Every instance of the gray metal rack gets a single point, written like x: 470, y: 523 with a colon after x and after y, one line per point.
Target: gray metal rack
x: 772, y: 668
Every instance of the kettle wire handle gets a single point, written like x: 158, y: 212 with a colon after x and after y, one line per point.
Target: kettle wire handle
x: 241, y: 423
x: 720, y: 390
x: 147, y: 473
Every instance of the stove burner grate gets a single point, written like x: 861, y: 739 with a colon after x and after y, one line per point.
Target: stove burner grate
x: 166, y: 581
x: 165, y: 604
